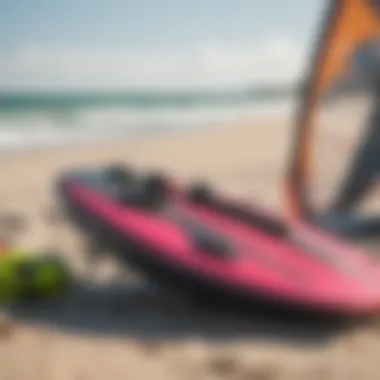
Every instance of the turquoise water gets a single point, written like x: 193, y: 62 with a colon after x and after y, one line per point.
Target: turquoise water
x: 33, y: 119
x: 59, y: 101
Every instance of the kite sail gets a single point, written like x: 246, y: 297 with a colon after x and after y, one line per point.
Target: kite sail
x: 336, y: 157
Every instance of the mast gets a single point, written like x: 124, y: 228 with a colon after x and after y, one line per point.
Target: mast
x: 296, y: 184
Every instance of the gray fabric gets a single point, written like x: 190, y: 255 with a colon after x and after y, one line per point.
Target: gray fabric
x: 365, y: 168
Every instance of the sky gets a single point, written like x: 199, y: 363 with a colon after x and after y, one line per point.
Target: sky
x: 130, y: 44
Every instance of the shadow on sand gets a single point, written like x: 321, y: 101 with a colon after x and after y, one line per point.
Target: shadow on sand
x: 142, y: 311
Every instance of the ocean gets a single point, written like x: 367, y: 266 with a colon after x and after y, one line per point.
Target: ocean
x: 45, y: 119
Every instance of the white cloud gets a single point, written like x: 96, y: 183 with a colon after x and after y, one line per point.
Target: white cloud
x: 36, y: 67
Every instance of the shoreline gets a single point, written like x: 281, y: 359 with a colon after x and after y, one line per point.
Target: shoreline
x: 36, y: 131
x: 136, y: 136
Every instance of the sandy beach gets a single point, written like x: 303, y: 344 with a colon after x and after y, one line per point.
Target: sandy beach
x: 133, y: 332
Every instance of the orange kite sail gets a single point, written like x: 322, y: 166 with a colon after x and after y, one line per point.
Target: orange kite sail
x: 351, y: 29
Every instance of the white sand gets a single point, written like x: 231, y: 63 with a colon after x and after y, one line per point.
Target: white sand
x: 247, y: 158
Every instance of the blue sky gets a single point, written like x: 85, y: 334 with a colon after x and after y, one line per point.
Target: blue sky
x: 115, y: 43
